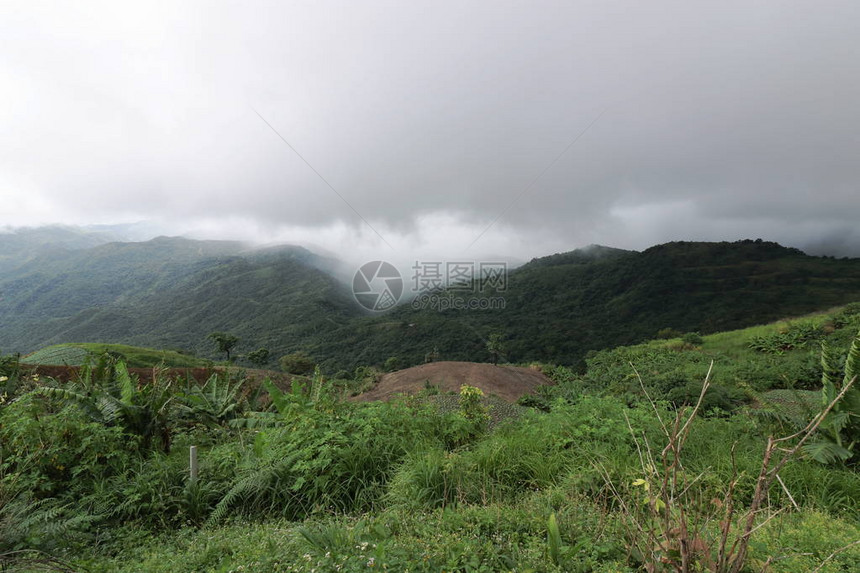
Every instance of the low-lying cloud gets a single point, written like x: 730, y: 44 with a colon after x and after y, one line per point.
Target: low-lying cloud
x: 437, y: 122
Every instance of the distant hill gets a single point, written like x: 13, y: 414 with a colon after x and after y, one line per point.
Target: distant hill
x: 560, y: 307
x: 172, y: 292
x: 20, y: 246
x: 581, y: 256
x: 134, y: 356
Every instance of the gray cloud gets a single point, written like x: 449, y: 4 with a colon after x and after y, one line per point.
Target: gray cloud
x: 722, y: 122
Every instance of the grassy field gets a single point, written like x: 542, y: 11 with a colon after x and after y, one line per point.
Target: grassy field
x: 76, y: 354
x: 610, y: 469
x: 735, y: 343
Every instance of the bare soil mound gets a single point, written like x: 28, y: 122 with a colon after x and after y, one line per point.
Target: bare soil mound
x: 507, y: 382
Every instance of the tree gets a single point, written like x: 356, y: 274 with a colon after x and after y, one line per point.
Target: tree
x: 392, y: 364
x: 224, y: 342
x: 259, y: 357
x: 297, y: 363
x: 495, y: 346
x: 432, y: 356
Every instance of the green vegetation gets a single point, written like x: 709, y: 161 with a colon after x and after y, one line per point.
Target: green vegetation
x: 664, y: 456
x: 59, y: 354
x: 744, y: 371
x: 77, y: 354
x: 140, y: 411
x: 840, y: 432
x: 297, y: 363
x: 391, y: 364
x: 495, y: 346
x: 169, y: 293
x: 224, y: 342
x: 472, y: 409
x: 259, y: 357
x: 172, y: 293
x: 560, y: 307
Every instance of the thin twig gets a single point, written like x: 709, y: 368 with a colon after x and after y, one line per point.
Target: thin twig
x: 767, y: 520
x: 788, y: 493
x: 767, y: 474
x: 689, y: 485
x: 832, y: 555
x: 635, y: 442
x: 816, y: 421
x: 726, y: 525
x: 650, y: 400
x: 705, y: 385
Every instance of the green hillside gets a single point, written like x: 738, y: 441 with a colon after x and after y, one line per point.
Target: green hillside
x: 173, y: 292
x: 23, y: 245
x: 605, y: 470
x: 775, y: 365
x: 560, y: 307
x: 134, y: 356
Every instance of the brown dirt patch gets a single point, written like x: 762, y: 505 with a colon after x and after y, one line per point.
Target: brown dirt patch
x: 507, y: 382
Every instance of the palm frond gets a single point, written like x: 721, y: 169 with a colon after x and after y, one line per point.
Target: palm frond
x: 826, y: 452
x: 127, y: 387
x: 852, y: 361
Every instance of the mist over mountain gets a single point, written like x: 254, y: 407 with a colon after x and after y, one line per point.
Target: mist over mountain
x: 561, y: 306
x: 496, y: 197
x: 165, y: 292
x: 18, y: 246
x: 68, y: 285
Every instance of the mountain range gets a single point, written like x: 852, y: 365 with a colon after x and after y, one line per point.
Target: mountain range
x: 66, y: 285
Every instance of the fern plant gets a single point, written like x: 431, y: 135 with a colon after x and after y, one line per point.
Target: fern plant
x: 28, y: 525
x: 114, y: 397
x: 839, y: 433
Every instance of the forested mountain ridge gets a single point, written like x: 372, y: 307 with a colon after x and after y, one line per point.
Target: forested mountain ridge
x: 560, y: 307
x: 167, y: 292
x: 172, y: 292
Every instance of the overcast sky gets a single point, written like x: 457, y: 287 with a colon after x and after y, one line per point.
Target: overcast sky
x: 448, y: 128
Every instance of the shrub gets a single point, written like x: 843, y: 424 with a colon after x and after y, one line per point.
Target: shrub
x: 718, y: 398
x: 693, y: 339
x: 666, y: 333
x: 391, y: 364
x: 53, y: 452
x: 471, y: 407
x: 259, y: 357
x: 297, y: 363
x: 794, y: 336
x: 533, y: 452
x: 327, y: 456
